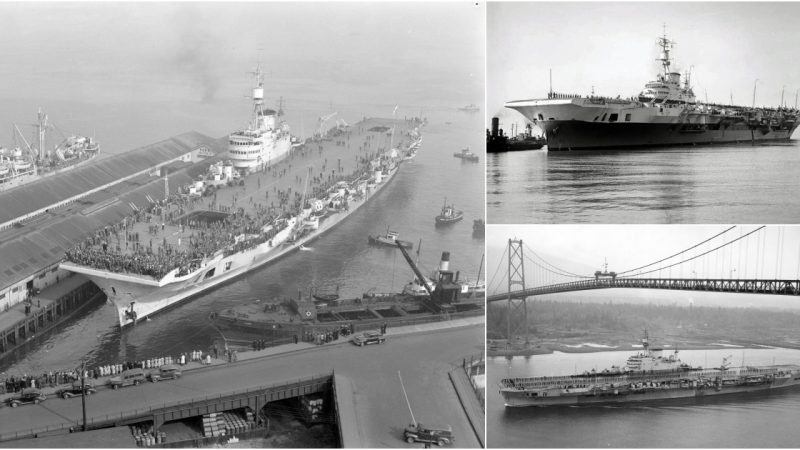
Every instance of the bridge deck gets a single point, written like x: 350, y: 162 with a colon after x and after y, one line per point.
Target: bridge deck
x: 753, y: 286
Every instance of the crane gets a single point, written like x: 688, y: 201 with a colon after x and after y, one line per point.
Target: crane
x: 322, y: 121
x: 414, y: 268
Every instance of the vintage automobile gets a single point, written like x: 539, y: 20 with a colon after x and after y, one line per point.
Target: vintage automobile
x: 166, y: 372
x: 431, y: 434
x: 27, y: 396
x: 75, y: 389
x: 368, y: 337
x: 130, y: 377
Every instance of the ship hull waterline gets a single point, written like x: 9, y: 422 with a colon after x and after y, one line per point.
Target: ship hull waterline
x: 580, y: 135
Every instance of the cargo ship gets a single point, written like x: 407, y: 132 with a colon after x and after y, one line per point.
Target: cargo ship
x: 666, y: 112
x: 197, y: 241
x: 22, y: 164
x: 443, y: 297
x: 648, y: 376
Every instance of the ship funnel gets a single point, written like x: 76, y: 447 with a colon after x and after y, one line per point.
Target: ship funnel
x: 444, y: 264
x: 495, y: 126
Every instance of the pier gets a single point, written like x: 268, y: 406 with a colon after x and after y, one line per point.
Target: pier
x: 369, y: 408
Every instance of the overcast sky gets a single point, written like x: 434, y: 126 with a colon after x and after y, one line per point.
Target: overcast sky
x: 69, y: 49
x: 582, y: 249
x: 612, y: 46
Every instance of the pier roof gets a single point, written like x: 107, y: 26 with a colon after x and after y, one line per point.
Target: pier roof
x: 50, y: 190
x: 33, y: 245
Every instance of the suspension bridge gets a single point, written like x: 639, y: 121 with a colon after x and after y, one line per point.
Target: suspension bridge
x: 746, y: 260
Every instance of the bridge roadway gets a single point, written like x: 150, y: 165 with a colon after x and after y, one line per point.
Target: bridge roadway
x: 380, y: 410
x: 775, y: 287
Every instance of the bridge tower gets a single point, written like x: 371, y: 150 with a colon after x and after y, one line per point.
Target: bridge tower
x: 517, y: 311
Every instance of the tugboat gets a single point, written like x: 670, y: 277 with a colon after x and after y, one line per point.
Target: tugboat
x: 466, y: 155
x: 449, y: 215
x: 389, y: 239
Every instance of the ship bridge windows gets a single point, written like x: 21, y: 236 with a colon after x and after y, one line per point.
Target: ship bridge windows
x: 627, y: 117
x: 613, y: 117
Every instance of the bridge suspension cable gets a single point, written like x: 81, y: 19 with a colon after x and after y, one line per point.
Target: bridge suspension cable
x: 679, y: 253
x: 697, y: 256
x: 557, y: 270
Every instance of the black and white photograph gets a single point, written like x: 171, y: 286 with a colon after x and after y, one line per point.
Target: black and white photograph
x: 242, y: 225
x: 642, y: 112
x: 643, y: 336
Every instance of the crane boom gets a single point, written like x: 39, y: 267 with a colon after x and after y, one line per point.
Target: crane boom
x: 414, y: 268
x: 30, y: 150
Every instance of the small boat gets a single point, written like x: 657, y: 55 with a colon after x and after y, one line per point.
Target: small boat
x: 326, y: 297
x: 470, y: 108
x: 449, y: 215
x: 390, y: 239
x: 466, y: 155
x: 303, y: 248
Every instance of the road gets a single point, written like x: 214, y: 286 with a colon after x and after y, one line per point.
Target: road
x: 381, y: 412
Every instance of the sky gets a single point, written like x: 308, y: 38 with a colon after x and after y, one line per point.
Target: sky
x: 583, y: 249
x: 93, y: 63
x: 612, y: 46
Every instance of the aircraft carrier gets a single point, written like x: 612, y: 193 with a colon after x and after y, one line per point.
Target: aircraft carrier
x: 666, y: 112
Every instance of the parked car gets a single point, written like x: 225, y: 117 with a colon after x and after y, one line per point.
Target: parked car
x: 130, y: 377
x: 439, y: 434
x: 368, y: 337
x: 25, y: 397
x: 166, y: 372
x: 75, y: 389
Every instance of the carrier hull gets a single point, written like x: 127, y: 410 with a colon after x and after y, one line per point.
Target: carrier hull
x: 150, y: 296
x: 579, y: 135
x: 623, y: 393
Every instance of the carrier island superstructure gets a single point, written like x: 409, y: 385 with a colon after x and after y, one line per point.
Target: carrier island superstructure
x: 648, y: 375
x: 666, y: 112
x: 265, y: 140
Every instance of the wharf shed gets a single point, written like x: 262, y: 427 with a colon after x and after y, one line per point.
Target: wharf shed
x: 44, y: 218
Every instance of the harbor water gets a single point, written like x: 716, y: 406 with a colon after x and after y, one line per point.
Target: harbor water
x: 693, y: 184
x: 754, y: 420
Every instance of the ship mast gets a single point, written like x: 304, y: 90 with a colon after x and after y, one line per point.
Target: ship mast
x: 666, y: 46
x: 258, y: 97
x: 41, y: 128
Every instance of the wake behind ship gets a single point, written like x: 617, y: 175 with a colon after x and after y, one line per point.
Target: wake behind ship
x: 237, y: 218
x: 647, y: 376
x: 666, y: 112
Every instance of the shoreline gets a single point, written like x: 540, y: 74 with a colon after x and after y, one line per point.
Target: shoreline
x: 546, y: 347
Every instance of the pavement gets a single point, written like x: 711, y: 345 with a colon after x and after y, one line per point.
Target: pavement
x: 470, y: 403
x: 375, y: 413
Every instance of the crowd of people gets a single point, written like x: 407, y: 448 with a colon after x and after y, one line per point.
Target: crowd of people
x: 120, y: 249
x: 13, y: 384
